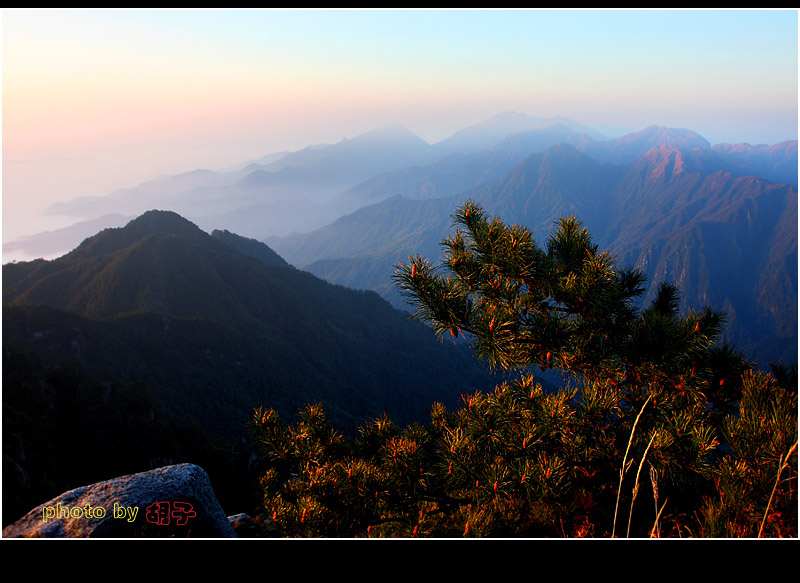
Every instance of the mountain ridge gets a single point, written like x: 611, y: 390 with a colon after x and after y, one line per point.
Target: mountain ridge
x: 649, y: 184
x: 640, y: 211
x: 215, y: 318
x: 271, y: 203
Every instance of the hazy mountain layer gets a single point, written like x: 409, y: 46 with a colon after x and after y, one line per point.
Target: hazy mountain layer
x: 273, y: 198
x: 692, y: 216
x: 287, y: 192
x: 650, y: 195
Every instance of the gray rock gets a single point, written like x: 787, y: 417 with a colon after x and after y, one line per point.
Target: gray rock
x: 173, y: 501
x: 239, y: 518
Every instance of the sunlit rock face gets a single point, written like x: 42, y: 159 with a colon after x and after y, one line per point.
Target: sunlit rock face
x: 172, y: 501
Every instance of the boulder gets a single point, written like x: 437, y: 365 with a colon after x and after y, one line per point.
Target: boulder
x: 172, y: 501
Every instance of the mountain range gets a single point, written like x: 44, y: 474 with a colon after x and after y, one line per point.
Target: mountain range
x: 720, y: 220
x: 218, y: 324
x: 269, y: 283
x: 275, y: 195
x: 155, y: 342
x: 661, y: 199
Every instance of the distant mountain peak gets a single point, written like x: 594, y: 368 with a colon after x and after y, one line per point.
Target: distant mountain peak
x: 161, y: 221
x: 676, y: 137
x: 565, y: 151
x: 389, y: 132
x: 664, y: 161
x: 152, y: 222
x: 504, y: 125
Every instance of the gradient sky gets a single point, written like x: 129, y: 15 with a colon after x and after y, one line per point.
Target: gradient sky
x: 95, y: 100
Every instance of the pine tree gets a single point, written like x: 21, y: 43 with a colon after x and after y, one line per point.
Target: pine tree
x: 658, y: 430
x: 566, y: 306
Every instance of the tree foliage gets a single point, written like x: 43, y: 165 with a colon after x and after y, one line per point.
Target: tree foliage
x: 658, y: 430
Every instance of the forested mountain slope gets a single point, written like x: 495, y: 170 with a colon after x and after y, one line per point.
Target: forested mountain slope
x: 693, y: 216
x: 215, y: 331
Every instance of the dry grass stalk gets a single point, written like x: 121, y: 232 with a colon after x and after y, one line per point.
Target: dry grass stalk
x: 636, y: 484
x: 784, y: 464
x: 656, y: 532
x: 626, y: 464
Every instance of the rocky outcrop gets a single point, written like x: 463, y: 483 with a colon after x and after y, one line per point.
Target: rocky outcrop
x: 172, y: 501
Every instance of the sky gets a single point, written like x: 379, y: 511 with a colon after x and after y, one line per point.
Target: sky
x: 95, y: 100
